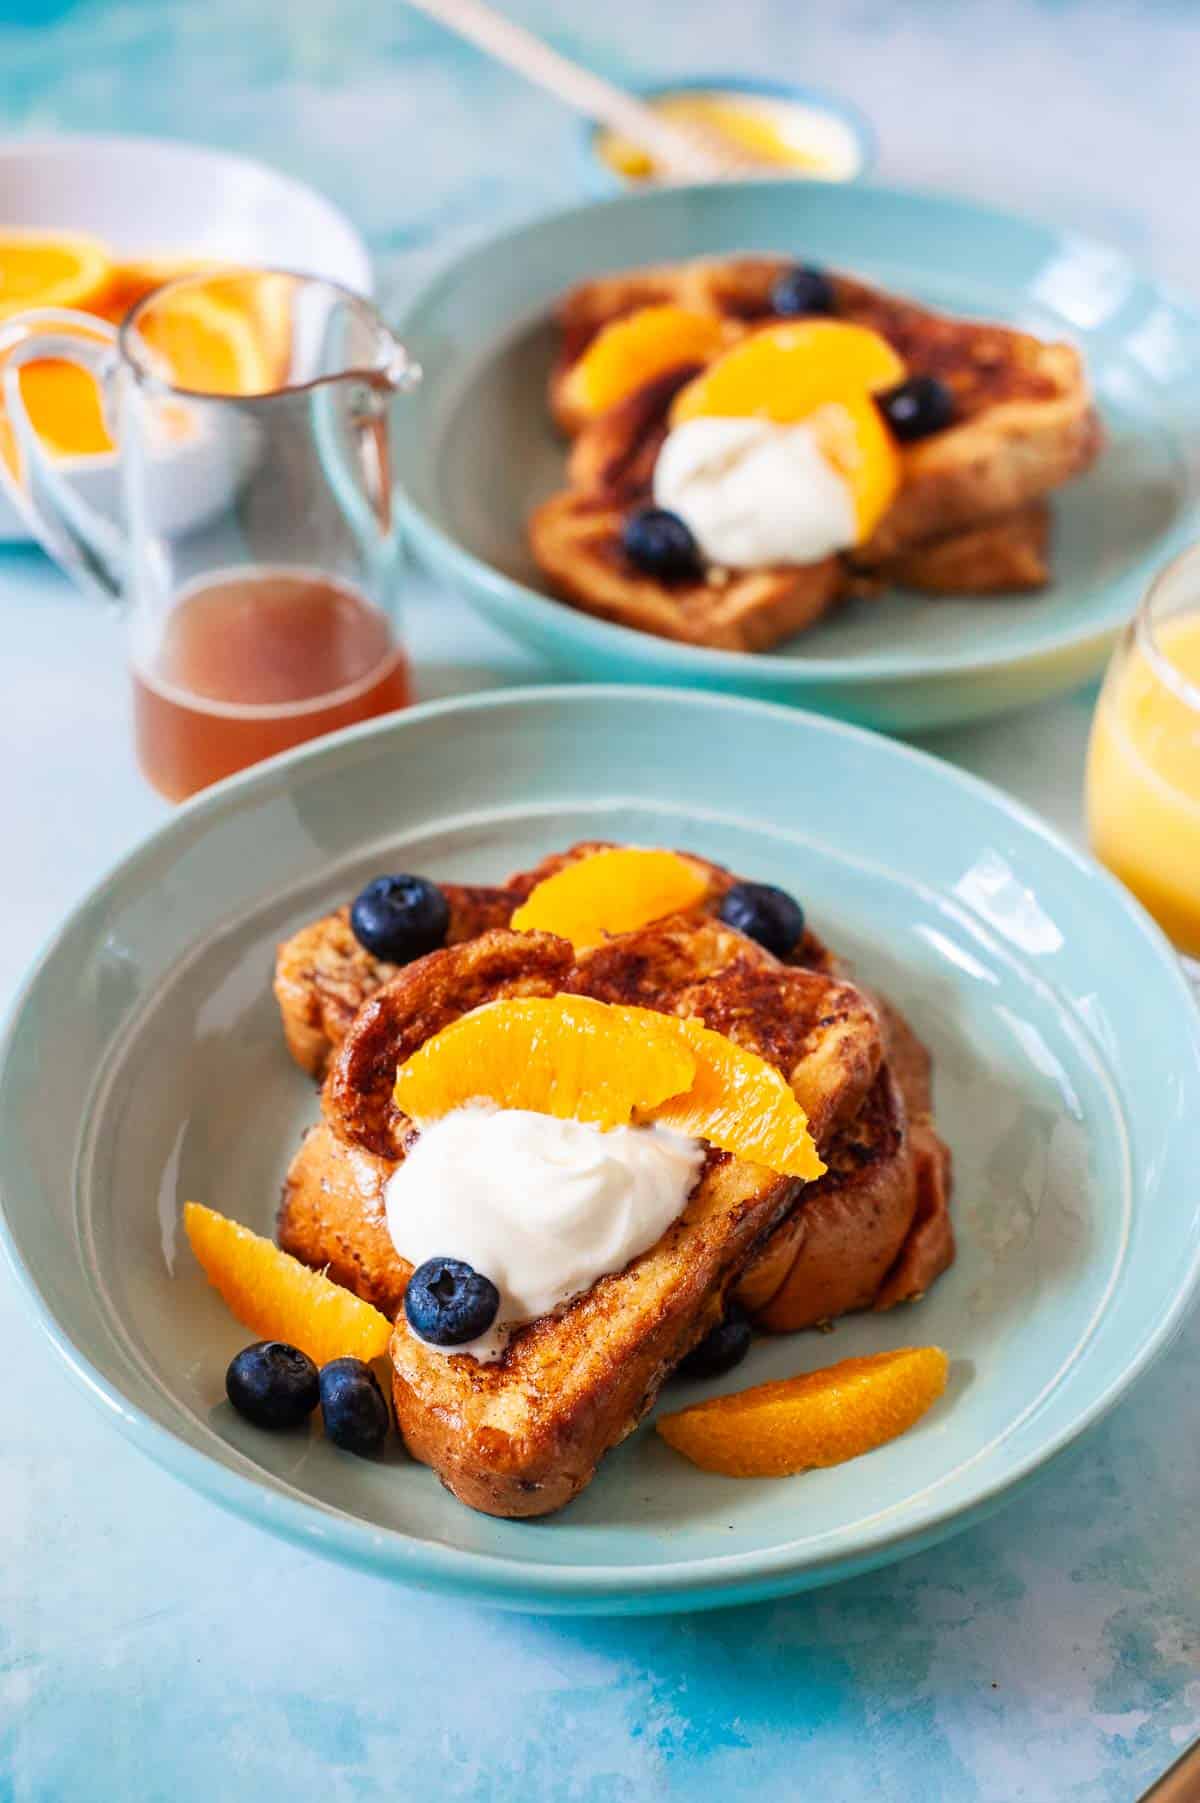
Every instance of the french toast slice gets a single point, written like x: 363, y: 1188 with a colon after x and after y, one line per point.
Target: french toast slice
x: 323, y: 975
x: 614, y: 455
x: 1025, y: 422
x: 524, y: 1435
x: 969, y: 517
x: 575, y: 538
x: 873, y: 1232
x: 1006, y: 555
x: 819, y: 1030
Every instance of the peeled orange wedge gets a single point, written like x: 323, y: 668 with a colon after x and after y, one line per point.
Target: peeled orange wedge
x: 611, y: 891
x: 51, y: 269
x: 785, y: 372
x: 822, y: 1418
x: 854, y: 439
x: 579, y: 1059
x: 562, y: 1055
x: 277, y: 1297
x: 630, y: 352
x: 741, y: 1104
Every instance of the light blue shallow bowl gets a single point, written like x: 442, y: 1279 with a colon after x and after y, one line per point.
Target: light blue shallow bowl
x: 145, y: 1065
x: 475, y: 450
x: 600, y: 179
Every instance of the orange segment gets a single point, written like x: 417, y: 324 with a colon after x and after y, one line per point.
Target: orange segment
x: 612, y: 891
x: 820, y: 1419
x: 742, y: 1104
x: 63, y: 403
x: 854, y: 439
x: 785, y: 372
x: 277, y: 1297
x: 563, y: 1055
x: 630, y: 352
x: 584, y: 1060
x: 208, y: 343
x: 50, y: 269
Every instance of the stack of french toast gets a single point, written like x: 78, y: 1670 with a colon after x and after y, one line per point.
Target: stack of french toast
x: 971, y: 427
x: 522, y: 1434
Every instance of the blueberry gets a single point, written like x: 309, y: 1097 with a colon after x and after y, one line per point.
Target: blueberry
x: 660, y: 543
x: 769, y: 916
x: 915, y: 408
x: 802, y: 289
x: 273, y: 1384
x: 356, y: 1416
x: 447, y: 1303
x: 725, y: 1346
x: 400, y: 918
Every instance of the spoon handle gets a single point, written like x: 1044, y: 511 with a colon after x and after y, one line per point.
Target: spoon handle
x: 580, y: 88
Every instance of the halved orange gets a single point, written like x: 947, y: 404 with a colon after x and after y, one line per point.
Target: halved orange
x: 563, y: 1055
x: 784, y: 372
x: 822, y: 1418
x: 629, y: 352
x: 277, y: 1297
x: 611, y: 891
x: 51, y: 269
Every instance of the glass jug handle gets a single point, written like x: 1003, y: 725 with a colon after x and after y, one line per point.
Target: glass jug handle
x: 88, y: 546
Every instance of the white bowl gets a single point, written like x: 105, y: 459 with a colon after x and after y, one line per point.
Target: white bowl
x: 150, y: 197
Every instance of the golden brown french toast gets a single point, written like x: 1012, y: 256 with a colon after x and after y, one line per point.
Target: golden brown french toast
x: 873, y: 1232
x: 1024, y: 419
x: 524, y: 1435
x: 610, y: 469
x: 323, y: 975
x: 575, y: 538
x: 1006, y: 555
x: 876, y: 1231
x: 968, y: 517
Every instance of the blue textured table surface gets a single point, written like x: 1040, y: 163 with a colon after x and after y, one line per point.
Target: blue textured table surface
x: 152, y: 1648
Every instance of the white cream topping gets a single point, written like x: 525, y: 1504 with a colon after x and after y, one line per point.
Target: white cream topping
x: 542, y: 1207
x: 754, y: 492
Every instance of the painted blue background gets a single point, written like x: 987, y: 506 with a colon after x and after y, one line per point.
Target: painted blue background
x: 151, y: 1648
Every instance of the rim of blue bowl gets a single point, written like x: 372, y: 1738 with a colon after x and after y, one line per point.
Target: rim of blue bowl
x: 734, y: 1578
x: 823, y: 100
x: 558, y: 621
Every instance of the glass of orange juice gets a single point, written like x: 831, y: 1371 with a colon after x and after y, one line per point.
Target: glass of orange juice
x: 1143, y: 772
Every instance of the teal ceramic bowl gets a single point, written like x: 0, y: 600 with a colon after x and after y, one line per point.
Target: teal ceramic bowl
x: 475, y: 450
x: 145, y: 1065
x: 855, y: 138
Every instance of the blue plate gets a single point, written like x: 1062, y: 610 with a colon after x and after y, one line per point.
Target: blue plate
x: 475, y: 450
x: 145, y: 1065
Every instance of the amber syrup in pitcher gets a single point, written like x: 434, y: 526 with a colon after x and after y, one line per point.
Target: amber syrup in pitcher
x: 254, y: 661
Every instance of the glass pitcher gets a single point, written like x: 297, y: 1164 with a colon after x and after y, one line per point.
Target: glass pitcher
x: 251, y: 541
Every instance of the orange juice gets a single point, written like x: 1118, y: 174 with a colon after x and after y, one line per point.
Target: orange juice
x: 1143, y: 781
